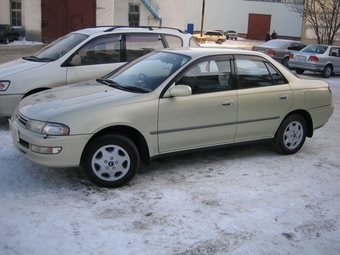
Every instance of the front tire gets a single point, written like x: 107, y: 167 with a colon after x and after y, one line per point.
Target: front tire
x: 291, y: 135
x: 111, y: 160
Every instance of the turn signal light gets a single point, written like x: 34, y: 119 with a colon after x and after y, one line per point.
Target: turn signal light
x: 291, y: 56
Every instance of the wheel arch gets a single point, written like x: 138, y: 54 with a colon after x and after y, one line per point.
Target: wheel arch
x: 307, y: 117
x: 33, y: 91
x: 329, y: 64
x: 132, y: 133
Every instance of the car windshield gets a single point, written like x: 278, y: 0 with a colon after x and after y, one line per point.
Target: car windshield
x: 148, y: 73
x: 316, y: 48
x: 58, y: 48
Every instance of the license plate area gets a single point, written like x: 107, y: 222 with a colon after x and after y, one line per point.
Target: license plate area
x: 299, y: 57
x: 14, y: 131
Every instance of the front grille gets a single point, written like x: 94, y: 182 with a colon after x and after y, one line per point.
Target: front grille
x: 22, y: 120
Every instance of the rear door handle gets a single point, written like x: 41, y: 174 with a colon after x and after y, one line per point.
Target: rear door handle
x: 227, y: 103
x: 284, y: 97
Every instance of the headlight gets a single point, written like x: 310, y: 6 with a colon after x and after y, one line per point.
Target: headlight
x: 4, y: 85
x: 47, y: 128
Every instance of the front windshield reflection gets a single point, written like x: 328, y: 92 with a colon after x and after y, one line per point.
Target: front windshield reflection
x: 58, y: 48
x: 150, y: 72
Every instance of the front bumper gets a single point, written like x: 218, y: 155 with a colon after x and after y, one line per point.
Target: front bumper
x: 72, y: 147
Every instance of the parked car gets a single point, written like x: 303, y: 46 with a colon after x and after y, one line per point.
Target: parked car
x: 317, y: 58
x: 169, y: 101
x: 231, y: 34
x: 280, y: 49
x: 8, y: 33
x: 213, y: 36
x: 82, y: 55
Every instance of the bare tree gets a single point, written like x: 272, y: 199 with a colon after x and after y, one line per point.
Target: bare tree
x: 322, y: 15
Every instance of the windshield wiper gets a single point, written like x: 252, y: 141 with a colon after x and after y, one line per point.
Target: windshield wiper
x: 34, y: 58
x: 116, y: 85
x: 108, y: 82
x: 139, y: 89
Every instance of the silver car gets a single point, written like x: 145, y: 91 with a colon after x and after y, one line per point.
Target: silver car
x: 317, y: 58
x: 169, y: 101
x: 279, y: 49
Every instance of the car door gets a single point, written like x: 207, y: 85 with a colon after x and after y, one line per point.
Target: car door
x: 335, y: 56
x: 205, y: 118
x: 99, y: 56
x: 264, y: 97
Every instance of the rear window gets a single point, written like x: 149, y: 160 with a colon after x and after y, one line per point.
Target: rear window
x: 140, y: 44
x: 317, y: 49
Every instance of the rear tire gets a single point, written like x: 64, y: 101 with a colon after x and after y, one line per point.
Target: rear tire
x: 110, y: 160
x: 299, y: 71
x: 285, y: 62
x: 219, y: 41
x: 327, y: 71
x: 291, y: 135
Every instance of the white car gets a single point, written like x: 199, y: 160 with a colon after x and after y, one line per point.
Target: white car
x: 82, y: 55
x: 169, y: 101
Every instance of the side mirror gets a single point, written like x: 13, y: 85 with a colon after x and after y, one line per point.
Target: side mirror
x: 76, y: 60
x: 180, y: 91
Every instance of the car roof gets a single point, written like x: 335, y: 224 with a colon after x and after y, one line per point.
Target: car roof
x: 103, y: 29
x: 199, y: 52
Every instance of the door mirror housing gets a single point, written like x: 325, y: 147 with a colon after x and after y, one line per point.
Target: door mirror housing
x: 180, y: 91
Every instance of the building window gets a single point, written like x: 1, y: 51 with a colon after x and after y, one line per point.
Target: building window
x: 16, y: 13
x: 133, y: 15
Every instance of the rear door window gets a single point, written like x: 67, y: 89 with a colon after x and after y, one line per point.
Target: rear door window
x: 140, y: 44
x: 254, y: 73
x: 173, y: 41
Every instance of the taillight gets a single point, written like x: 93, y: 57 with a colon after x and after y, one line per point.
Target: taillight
x: 271, y: 52
x: 291, y: 55
x: 252, y: 48
x: 313, y: 58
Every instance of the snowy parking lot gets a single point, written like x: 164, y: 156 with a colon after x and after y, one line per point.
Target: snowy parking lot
x: 239, y: 200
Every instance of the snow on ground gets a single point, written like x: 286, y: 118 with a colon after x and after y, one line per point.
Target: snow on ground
x: 239, y: 200
x: 22, y: 41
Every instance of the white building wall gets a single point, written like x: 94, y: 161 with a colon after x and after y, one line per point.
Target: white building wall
x: 233, y: 14
x: 105, y: 12
x: 4, y: 12
x: 171, y: 15
x: 31, y: 19
x: 219, y: 14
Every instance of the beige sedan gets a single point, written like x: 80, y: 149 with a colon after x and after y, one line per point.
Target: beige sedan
x: 169, y: 101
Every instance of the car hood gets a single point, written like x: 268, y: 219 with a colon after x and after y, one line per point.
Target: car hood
x: 49, y: 104
x: 18, y: 66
